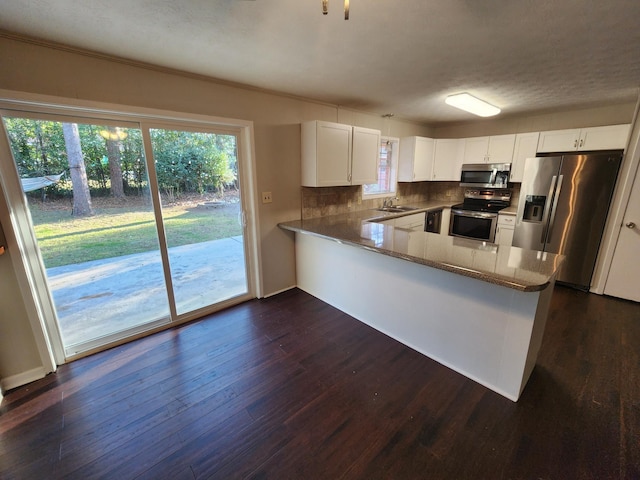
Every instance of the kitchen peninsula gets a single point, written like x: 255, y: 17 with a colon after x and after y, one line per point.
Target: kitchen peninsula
x: 475, y: 307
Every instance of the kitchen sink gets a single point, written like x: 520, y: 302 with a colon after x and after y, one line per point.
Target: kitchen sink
x: 398, y: 209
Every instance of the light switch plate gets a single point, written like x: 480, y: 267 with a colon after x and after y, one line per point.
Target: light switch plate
x: 266, y: 197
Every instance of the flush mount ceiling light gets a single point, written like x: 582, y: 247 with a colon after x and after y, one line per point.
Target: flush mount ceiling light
x: 325, y: 8
x: 471, y: 104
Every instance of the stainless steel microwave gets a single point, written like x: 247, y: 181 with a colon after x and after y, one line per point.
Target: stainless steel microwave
x: 485, y: 175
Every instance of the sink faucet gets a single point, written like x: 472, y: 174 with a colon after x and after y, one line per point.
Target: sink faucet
x: 388, y: 202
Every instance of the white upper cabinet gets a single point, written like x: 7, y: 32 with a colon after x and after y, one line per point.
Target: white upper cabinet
x: 525, y: 147
x: 494, y: 149
x: 501, y: 148
x: 475, y: 150
x: 447, y: 159
x: 326, y: 154
x: 364, y: 156
x: 611, y: 137
x: 415, y: 161
x: 334, y: 154
x: 559, y: 140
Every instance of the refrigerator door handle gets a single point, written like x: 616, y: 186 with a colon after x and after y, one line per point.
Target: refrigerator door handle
x: 543, y: 238
x: 555, y: 207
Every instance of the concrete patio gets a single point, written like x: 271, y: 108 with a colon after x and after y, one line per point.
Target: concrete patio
x: 101, y: 297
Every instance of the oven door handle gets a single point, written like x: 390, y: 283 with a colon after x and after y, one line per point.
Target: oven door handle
x: 468, y: 213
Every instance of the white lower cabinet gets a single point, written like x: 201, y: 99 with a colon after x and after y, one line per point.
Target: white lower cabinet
x: 446, y: 218
x: 391, y: 221
x: 410, y: 222
x: 505, y: 228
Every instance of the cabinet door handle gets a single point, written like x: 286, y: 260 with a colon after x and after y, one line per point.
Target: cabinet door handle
x: 575, y: 143
x: 631, y: 225
x: 581, y: 142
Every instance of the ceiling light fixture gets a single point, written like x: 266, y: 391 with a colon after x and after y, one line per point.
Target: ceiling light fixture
x: 471, y: 104
x: 389, y: 144
x: 325, y: 8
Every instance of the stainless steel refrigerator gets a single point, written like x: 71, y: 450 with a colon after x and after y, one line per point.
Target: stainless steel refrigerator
x: 563, y: 206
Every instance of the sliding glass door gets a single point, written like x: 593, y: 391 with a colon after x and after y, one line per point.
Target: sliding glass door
x: 134, y: 227
x: 202, y: 215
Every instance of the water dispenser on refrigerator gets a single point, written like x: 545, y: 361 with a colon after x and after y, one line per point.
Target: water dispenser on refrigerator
x: 534, y: 208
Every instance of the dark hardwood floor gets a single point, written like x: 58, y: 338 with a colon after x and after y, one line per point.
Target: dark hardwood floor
x: 291, y: 388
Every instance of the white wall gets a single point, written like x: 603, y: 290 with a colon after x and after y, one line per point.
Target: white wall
x: 33, y: 67
x: 18, y: 349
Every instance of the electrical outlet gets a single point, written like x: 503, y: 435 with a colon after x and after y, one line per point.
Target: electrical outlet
x: 266, y: 197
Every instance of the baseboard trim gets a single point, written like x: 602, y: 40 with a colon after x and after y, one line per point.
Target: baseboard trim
x: 279, y: 291
x: 23, y: 378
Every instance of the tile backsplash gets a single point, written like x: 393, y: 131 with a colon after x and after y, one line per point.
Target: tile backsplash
x: 322, y: 201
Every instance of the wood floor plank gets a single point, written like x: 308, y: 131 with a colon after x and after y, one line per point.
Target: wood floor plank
x: 290, y: 387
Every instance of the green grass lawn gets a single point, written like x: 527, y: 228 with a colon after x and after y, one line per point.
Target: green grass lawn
x: 113, y: 232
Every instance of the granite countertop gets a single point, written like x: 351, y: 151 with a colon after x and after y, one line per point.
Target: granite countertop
x: 512, y: 210
x: 512, y: 267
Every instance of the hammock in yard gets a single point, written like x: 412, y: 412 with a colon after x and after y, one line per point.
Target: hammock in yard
x: 29, y: 184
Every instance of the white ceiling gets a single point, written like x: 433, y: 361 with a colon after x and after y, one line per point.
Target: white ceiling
x: 391, y: 56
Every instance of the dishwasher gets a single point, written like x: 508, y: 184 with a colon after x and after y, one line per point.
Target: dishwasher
x: 433, y: 221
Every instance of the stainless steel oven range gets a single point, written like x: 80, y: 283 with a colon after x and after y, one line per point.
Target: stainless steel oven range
x: 477, y: 216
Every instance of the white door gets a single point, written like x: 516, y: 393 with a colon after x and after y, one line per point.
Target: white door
x: 624, y: 276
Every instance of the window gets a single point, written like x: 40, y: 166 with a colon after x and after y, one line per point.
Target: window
x: 387, y: 170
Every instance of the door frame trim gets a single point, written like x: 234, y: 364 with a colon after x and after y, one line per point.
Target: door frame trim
x: 619, y: 202
x: 52, y: 352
